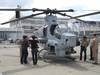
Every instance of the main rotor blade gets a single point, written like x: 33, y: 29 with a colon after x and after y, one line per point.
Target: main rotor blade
x: 70, y: 16
x: 70, y: 10
x: 94, y: 13
x: 22, y: 18
x: 16, y: 9
x: 35, y: 9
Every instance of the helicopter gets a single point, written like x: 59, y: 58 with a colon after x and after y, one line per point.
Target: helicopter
x: 57, y: 43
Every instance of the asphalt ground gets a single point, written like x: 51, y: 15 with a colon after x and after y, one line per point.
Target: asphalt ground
x: 10, y: 65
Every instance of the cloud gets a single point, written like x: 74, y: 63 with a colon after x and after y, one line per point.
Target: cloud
x: 14, y: 3
x: 78, y: 5
x: 6, y: 16
x: 8, y: 3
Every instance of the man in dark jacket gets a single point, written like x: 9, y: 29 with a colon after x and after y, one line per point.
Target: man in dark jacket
x: 24, y: 50
x: 34, y: 46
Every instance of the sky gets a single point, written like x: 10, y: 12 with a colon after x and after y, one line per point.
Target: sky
x: 80, y: 7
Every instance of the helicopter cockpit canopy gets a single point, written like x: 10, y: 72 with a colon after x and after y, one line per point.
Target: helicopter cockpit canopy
x: 61, y: 29
x: 64, y: 28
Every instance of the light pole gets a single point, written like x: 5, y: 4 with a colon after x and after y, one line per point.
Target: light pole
x: 19, y: 25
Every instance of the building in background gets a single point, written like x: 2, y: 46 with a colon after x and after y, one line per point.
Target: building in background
x: 10, y: 33
x: 30, y: 25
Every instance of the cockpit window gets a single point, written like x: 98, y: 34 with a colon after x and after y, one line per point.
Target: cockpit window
x: 52, y: 29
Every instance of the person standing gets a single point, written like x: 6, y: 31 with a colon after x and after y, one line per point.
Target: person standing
x: 91, y: 53
x: 24, y: 50
x: 34, y: 49
x: 95, y: 48
x: 84, y: 45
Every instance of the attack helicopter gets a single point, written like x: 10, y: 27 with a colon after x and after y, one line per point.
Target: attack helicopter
x: 58, y: 43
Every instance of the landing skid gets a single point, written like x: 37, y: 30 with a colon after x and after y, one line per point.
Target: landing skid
x: 46, y: 57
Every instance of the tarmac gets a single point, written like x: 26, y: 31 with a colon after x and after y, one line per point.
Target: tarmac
x: 10, y: 65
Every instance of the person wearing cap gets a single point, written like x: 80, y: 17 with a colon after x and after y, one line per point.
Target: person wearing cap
x: 34, y: 49
x: 24, y: 50
x: 95, y: 48
x: 91, y: 53
x: 84, y: 45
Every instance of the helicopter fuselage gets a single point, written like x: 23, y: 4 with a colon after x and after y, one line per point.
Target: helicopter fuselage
x: 58, y: 42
